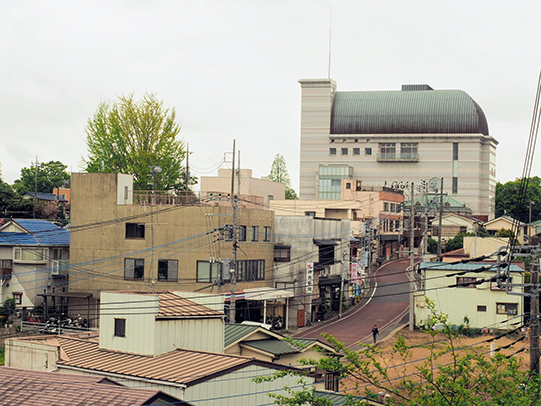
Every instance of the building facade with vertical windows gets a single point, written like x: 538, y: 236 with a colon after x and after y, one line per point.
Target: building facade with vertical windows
x: 384, y: 136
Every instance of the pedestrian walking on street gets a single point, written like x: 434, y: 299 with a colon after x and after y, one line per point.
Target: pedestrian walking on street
x: 375, y: 332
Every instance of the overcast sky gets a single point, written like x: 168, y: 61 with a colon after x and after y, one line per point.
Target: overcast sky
x: 230, y: 69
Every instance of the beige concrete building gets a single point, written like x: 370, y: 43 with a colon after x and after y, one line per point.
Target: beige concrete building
x: 128, y: 240
x: 249, y: 186
x: 385, y: 136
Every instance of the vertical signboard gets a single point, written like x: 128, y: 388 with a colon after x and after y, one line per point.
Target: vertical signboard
x: 309, y: 278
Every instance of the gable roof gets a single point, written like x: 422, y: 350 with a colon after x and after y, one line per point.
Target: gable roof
x: 181, y: 367
x: 34, y: 232
x: 235, y: 333
x: 27, y: 387
x: 507, y: 219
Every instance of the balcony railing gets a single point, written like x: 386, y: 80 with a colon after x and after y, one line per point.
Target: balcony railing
x: 398, y: 157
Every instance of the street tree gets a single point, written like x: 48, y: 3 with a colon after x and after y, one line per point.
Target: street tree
x: 471, y: 377
x: 133, y: 137
x: 50, y: 175
x: 508, y: 198
x: 280, y: 174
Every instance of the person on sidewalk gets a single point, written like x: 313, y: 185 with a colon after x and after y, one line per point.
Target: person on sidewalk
x: 375, y: 332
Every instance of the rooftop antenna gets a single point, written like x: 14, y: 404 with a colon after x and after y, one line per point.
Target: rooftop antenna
x: 330, y: 36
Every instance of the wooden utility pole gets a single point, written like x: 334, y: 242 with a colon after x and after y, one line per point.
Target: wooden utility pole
x: 344, y: 256
x: 412, y: 258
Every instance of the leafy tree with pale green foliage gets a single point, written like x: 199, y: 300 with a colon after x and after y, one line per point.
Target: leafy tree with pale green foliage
x: 131, y: 137
x: 51, y: 175
x: 508, y: 198
x: 279, y: 174
x: 470, y: 378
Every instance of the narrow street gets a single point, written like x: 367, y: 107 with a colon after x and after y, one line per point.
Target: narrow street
x: 385, y: 305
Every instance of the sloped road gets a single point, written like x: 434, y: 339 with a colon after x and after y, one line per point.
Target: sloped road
x: 386, y: 304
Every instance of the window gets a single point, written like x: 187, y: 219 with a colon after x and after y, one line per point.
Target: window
x: 242, y: 233
x: 58, y: 254
x: 168, y: 270
x: 266, y: 233
x: 332, y: 151
x: 18, y: 296
x: 386, y: 206
x: 344, y: 151
x: 134, y: 269
x: 506, y: 308
x: 270, y: 197
x: 120, y: 327
x: 30, y: 254
x: 481, y: 308
x: 135, y: 230
x: 494, y: 285
x: 368, y: 151
x: 356, y: 151
x: 393, y: 206
x: 348, y: 185
x: 387, y: 150
x: 206, y: 272
x: 282, y: 253
x: 408, y: 150
x: 326, y: 254
x: 463, y: 282
x: 310, y: 213
x: 455, y: 185
x: 250, y: 270
x: 255, y: 233
x: 455, y: 151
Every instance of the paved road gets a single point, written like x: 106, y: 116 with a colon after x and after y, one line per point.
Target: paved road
x: 386, y: 305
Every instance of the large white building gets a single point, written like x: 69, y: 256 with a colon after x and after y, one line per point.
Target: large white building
x: 384, y: 136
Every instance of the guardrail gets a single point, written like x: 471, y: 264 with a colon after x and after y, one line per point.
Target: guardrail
x: 52, y: 328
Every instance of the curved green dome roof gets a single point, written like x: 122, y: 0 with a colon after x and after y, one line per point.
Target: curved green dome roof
x: 408, y: 111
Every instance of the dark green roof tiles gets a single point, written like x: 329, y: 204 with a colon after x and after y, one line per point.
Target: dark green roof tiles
x: 409, y: 111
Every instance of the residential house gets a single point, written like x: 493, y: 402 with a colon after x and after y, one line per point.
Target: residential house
x: 34, y: 257
x: 386, y: 136
x: 250, y: 187
x: 453, y: 224
x: 158, y: 341
x: 470, y: 290
x: 156, y: 240
x: 507, y: 223
x: 24, y: 387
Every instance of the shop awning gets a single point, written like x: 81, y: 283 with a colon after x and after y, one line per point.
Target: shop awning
x: 321, y: 242
x: 263, y: 293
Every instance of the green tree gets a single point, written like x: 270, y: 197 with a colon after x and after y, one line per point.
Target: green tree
x: 454, y: 243
x: 471, y: 378
x: 279, y: 174
x: 51, y: 175
x: 508, y: 198
x: 132, y: 137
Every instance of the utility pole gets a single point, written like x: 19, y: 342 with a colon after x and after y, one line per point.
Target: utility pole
x: 344, y: 256
x: 35, y: 189
x: 187, y: 169
x: 534, y: 319
x: 439, y: 224
x: 232, y: 309
x: 412, y: 257
x: 530, y: 222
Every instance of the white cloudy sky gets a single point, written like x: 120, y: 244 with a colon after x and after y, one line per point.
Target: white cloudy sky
x: 230, y: 68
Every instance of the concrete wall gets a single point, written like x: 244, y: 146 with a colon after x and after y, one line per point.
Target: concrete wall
x: 477, y: 246
x: 30, y: 355
x: 183, y: 233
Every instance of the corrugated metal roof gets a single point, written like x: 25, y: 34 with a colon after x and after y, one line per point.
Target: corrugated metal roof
x: 342, y: 399
x: 172, y: 305
x: 39, y: 232
x: 407, y: 112
x: 468, y: 266
x: 183, y: 367
x: 235, y: 332
x: 26, y: 387
x: 272, y: 346
x: 47, y: 196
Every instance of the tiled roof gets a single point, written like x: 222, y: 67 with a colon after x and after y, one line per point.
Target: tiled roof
x: 46, y: 196
x: 184, y: 367
x: 39, y: 232
x: 26, y: 387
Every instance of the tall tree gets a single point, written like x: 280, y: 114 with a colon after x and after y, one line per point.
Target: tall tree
x: 279, y: 174
x: 51, y: 175
x: 132, y: 137
x: 508, y: 198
